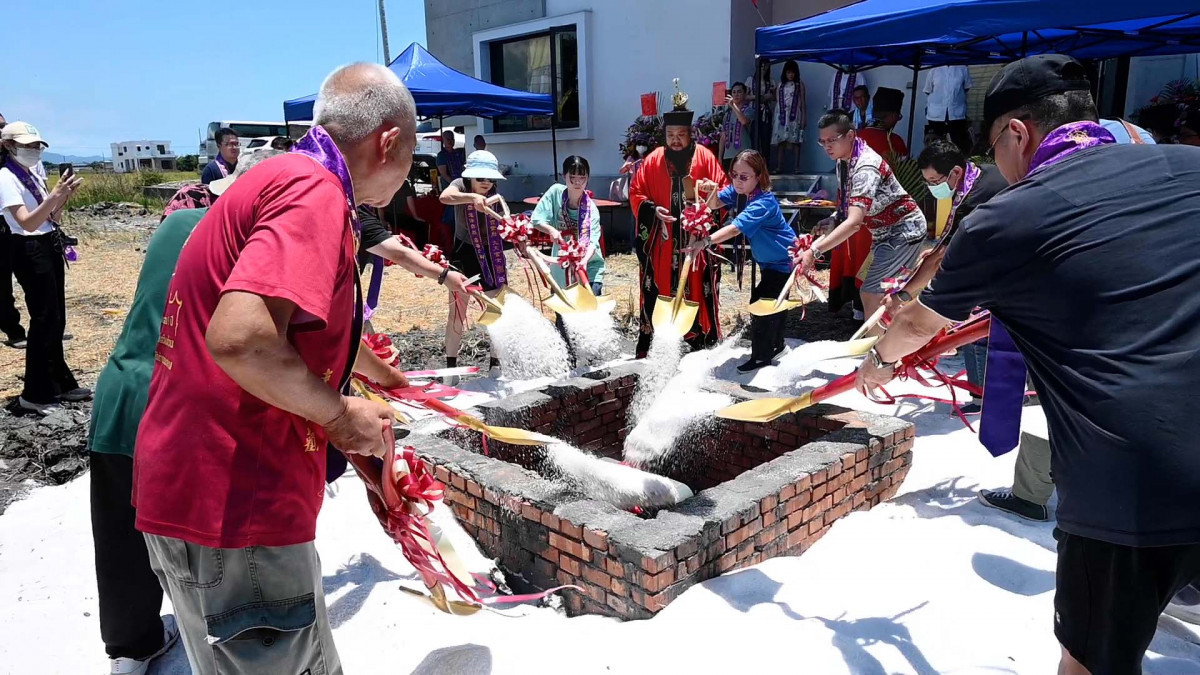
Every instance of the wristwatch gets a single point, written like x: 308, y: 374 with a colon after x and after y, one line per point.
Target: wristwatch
x: 879, y: 362
x: 904, y: 296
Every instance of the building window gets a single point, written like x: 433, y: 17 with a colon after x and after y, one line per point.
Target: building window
x: 162, y: 150
x: 542, y: 63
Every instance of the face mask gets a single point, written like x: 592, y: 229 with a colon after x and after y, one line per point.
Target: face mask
x: 941, y: 190
x: 27, y: 157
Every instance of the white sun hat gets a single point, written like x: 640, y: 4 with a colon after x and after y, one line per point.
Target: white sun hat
x: 482, y: 164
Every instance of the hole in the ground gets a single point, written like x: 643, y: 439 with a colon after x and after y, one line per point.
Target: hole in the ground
x: 760, y: 490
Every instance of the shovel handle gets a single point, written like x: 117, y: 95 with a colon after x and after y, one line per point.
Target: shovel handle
x: 870, y: 323
x: 787, y: 287
x: 683, y: 279
x: 496, y: 199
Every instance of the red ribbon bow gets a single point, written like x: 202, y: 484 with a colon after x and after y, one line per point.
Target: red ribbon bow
x: 796, y: 252
x: 895, y: 284
x: 383, y: 347
x: 515, y: 229
x: 697, y: 220
x: 434, y: 255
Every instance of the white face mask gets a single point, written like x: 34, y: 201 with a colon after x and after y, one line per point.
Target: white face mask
x: 27, y: 157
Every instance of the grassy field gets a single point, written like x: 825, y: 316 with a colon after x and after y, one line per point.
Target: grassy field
x: 121, y: 187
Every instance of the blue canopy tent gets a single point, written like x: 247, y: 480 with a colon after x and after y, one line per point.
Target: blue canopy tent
x: 928, y: 33
x: 441, y: 91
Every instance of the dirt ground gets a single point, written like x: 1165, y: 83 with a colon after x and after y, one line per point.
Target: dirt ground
x: 413, y: 311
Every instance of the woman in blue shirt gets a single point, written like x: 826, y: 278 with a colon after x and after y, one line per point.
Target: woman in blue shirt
x: 759, y: 218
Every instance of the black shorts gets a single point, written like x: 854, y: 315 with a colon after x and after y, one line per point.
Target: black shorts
x: 464, y: 260
x: 1109, y: 597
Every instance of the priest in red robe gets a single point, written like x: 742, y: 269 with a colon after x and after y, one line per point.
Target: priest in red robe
x: 662, y: 187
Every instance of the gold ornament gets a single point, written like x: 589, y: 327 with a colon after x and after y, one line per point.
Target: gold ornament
x: 679, y: 98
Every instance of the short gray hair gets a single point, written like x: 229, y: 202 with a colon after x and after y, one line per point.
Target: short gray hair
x: 357, y: 99
x: 248, y: 160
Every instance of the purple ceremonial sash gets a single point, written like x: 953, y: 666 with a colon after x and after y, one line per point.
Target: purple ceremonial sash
x: 222, y: 166
x: 843, y: 97
x: 1067, y: 140
x: 970, y: 175
x: 492, y: 265
x: 584, y: 224
x: 1005, y: 374
x: 35, y: 186
x: 733, y: 128
x: 844, y: 183
x: 1003, y: 392
x: 791, y: 112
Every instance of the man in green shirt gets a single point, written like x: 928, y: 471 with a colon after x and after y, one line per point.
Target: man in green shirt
x: 129, y: 593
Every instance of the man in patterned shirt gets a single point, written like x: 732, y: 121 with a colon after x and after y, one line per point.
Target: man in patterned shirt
x: 871, y: 197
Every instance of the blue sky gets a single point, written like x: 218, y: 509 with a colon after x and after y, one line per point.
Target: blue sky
x: 88, y: 73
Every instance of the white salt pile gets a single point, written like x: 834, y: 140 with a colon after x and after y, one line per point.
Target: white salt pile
x: 622, y: 486
x: 662, y: 362
x: 526, y: 343
x: 593, y: 337
x: 679, y: 405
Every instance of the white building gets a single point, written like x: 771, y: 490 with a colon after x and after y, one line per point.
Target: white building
x: 142, y: 155
x: 607, y: 54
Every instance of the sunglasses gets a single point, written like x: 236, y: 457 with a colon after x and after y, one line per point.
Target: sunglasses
x: 743, y: 177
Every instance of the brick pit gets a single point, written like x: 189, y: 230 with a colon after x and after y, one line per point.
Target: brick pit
x: 761, y: 490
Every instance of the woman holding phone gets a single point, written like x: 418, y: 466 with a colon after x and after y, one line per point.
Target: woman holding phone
x: 31, y: 212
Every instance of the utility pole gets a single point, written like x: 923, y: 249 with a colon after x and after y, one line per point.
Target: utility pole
x: 387, y: 55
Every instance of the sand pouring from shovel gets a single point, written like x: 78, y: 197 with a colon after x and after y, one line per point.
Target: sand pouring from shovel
x: 767, y: 409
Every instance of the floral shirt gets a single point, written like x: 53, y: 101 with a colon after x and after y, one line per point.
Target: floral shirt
x: 890, y: 210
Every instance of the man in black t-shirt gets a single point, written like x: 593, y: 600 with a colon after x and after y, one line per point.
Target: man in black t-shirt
x: 1101, y: 295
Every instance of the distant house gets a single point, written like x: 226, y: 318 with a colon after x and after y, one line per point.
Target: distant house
x: 142, y: 156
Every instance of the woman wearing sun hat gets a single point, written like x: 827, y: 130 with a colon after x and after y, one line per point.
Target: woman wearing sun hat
x: 478, y: 247
x: 39, y: 249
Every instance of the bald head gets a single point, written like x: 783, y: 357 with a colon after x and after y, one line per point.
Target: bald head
x: 357, y: 99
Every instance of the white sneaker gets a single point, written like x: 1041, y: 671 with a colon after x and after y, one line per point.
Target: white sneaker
x: 123, y: 666
x: 39, y: 408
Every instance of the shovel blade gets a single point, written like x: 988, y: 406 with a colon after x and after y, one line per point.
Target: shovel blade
x: 764, y: 410
x: 767, y: 307
x: 581, y: 297
x: 492, y: 310
x: 674, y: 318
x: 514, y: 436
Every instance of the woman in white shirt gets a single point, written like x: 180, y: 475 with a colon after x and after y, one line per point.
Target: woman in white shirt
x: 30, y: 212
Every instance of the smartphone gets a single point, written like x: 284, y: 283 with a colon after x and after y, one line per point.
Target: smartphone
x: 65, y: 171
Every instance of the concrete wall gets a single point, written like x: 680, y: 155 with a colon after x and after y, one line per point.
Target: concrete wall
x: 450, y: 23
x: 632, y: 51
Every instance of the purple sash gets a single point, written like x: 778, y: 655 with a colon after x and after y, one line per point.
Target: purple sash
x: 843, y: 97
x: 1004, y: 377
x: 492, y: 264
x: 733, y: 128
x: 222, y: 166
x: 970, y: 175
x: 791, y: 112
x: 584, y: 225
x: 38, y: 190
x: 844, y: 183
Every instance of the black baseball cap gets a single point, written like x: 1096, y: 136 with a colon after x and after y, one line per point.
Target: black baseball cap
x: 1030, y: 80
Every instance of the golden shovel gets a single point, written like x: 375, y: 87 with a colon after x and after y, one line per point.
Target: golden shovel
x: 783, y: 303
x: 574, y: 298
x: 675, y: 313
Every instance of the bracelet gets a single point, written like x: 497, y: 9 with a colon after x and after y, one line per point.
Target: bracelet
x: 340, y: 415
x: 442, y: 278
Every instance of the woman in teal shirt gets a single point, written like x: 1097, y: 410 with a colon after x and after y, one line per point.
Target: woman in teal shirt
x: 569, y: 211
x: 761, y: 220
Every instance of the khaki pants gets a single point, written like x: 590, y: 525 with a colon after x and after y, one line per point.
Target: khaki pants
x: 254, y: 610
x: 1031, y: 479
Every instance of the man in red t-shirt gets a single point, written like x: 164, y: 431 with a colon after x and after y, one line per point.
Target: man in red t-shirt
x: 259, y: 339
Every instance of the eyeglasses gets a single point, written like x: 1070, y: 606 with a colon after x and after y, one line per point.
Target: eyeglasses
x: 937, y: 181
x: 991, y: 152
x: 826, y: 143
x: 743, y: 177
x: 229, y: 144
x: 483, y: 180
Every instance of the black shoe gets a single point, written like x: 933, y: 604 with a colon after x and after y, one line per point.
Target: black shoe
x: 1005, y: 500
x: 68, y: 336
x: 752, y: 365
x: 451, y: 380
x: 76, y: 395
x: 16, y: 344
x: 971, y: 408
